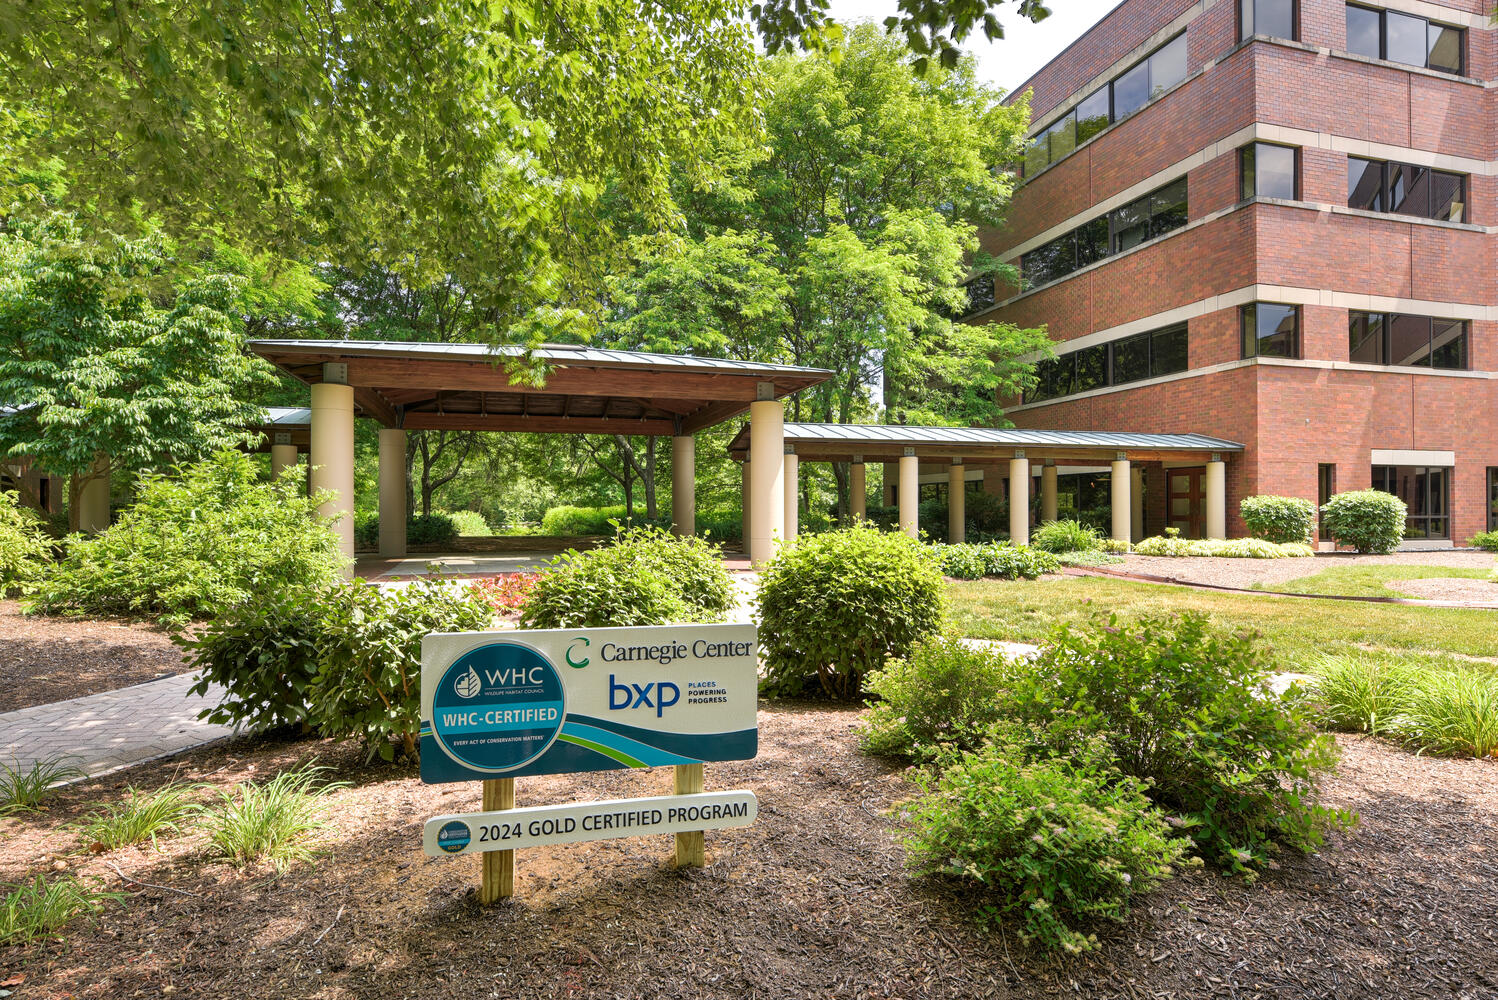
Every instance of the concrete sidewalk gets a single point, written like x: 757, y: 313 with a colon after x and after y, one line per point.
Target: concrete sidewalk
x: 104, y: 732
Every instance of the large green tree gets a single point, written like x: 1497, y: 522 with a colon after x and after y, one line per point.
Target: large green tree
x: 102, y: 370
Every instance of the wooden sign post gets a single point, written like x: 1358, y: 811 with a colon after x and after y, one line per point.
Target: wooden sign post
x: 691, y: 849
x: 498, y: 880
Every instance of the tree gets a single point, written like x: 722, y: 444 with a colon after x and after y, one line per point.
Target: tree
x: 97, y: 376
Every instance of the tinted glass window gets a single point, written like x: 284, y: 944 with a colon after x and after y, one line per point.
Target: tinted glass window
x: 1445, y: 48
x: 1063, y: 137
x: 1409, y: 340
x: 1051, y: 261
x: 1131, y: 91
x: 1092, y: 115
x: 1404, y: 38
x: 1131, y: 358
x: 1092, y: 242
x: 1245, y: 19
x: 1268, y: 171
x: 1131, y: 224
x: 1363, y: 32
x: 1092, y: 368
x: 1168, y: 208
x: 1448, y: 343
x: 1446, y: 196
x: 1269, y: 330
x: 1037, y: 155
x: 1409, y: 189
x: 1168, y: 353
x: 1168, y: 66
x: 1365, y: 338
x: 1365, y: 183
x: 1275, y: 18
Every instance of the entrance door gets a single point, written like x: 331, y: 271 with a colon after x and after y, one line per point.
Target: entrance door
x: 1186, y: 497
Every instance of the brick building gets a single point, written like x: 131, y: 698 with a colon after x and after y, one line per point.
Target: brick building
x: 1273, y: 222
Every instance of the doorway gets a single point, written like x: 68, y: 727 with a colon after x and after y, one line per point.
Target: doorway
x: 1186, y: 500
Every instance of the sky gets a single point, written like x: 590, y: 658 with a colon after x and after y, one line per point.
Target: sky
x: 1025, y: 46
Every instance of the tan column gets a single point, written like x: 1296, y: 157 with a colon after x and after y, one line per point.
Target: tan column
x: 910, y: 495
x: 282, y: 457
x: 684, y: 484
x: 1019, y: 499
x: 392, y: 492
x: 957, y: 502
x: 1048, y: 492
x: 792, y: 473
x: 93, y: 500
x: 1119, y: 498
x: 766, y: 475
x: 332, y: 459
x: 858, y: 489
x: 1217, y: 499
x: 744, y: 499
x: 1136, y: 504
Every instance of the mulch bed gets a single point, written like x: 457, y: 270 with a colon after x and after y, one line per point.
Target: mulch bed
x: 52, y: 659
x: 810, y: 901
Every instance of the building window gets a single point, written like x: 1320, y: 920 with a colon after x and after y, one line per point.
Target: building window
x: 1271, y: 330
x: 1275, y: 18
x: 1405, y: 189
x: 1326, y: 488
x: 1128, y: 359
x: 980, y: 295
x: 1426, y: 491
x: 1122, y: 229
x: 1268, y: 171
x: 1404, y: 38
x: 1401, y: 339
x: 1492, y: 498
x: 1114, y: 101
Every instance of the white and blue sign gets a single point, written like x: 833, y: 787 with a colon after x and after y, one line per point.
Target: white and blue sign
x: 557, y: 701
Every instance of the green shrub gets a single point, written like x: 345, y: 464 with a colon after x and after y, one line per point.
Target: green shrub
x: 25, y: 546
x: 945, y: 695
x: 1362, y: 693
x: 1056, y: 843
x: 196, y: 544
x: 644, y: 576
x: 1064, y: 536
x: 1115, y: 545
x: 996, y: 559
x: 1367, y: 520
x: 1189, y: 708
x: 428, y: 529
x: 274, y: 821
x: 1452, y: 712
x: 469, y: 523
x: 1485, y: 540
x: 140, y: 817
x: 721, y: 526
x: 23, y: 789
x: 368, y: 680
x: 1223, y: 548
x: 264, y: 654
x: 366, y: 529
x: 1278, y: 519
x: 31, y: 911
x: 961, y: 562
x: 581, y: 520
x: 836, y: 605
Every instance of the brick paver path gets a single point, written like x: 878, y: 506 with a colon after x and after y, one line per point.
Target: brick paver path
x: 114, y: 729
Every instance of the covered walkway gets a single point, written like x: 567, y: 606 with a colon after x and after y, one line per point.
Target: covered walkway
x: 1005, y: 460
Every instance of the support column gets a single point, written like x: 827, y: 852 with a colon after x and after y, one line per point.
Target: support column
x: 1019, y: 499
x: 766, y: 474
x: 684, y: 484
x: 1136, y: 504
x: 392, y: 492
x: 792, y: 473
x: 858, y: 489
x: 1119, y: 502
x: 957, y: 502
x: 332, y: 457
x: 93, y: 500
x: 1048, y: 491
x: 744, y: 501
x: 282, y: 454
x: 1217, y: 498
x: 910, y: 493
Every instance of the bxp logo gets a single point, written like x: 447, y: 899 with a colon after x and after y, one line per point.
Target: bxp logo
x: 578, y: 664
x: 651, y: 695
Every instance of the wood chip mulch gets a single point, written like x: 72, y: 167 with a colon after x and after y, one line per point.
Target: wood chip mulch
x: 810, y: 901
x: 46, y: 659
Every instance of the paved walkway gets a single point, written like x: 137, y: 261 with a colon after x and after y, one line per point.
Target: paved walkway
x: 114, y: 729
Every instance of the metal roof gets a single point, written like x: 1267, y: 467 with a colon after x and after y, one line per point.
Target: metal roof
x: 1019, y: 437
x: 557, y: 354
x: 290, y: 416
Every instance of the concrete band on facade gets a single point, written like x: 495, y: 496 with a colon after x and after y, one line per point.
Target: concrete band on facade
x: 1318, y: 417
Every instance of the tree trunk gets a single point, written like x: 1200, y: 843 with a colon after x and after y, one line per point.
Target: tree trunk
x: 649, y: 477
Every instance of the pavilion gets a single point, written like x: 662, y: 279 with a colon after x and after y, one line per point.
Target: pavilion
x: 445, y: 386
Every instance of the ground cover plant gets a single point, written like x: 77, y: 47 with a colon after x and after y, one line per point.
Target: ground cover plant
x: 1278, y: 519
x: 275, y: 821
x: 1003, y: 560
x: 643, y: 576
x: 41, y: 908
x: 23, y: 788
x: 1171, y: 544
x: 1367, y: 520
x: 140, y: 816
x: 195, y: 544
x: 835, y: 606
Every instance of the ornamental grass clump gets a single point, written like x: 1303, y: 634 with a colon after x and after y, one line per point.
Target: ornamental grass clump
x: 1453, y: 713
x: 22, y: 789
x: 32, y: 911
x: 1363, y: 694
x: 1065, y: 536
x: 835, y: 606
x: 275, y: 821
x: 140, y: 816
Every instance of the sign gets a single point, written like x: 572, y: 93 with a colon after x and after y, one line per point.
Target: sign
x: 509, y: 704
x: 537, y: 826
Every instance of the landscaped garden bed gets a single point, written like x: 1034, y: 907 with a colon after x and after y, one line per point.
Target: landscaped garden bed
x: 813, y: 899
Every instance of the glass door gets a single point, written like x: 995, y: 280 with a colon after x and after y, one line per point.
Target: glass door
x: 1186, y: 501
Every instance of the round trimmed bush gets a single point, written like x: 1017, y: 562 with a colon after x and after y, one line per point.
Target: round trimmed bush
x: 1065, y: 536
x: 1278, y: 519
x: 836, y: 605
x: 1368, y: 520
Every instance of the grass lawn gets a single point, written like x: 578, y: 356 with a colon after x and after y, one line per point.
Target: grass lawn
x: 1299, y: 629
x: 1370, y: 581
